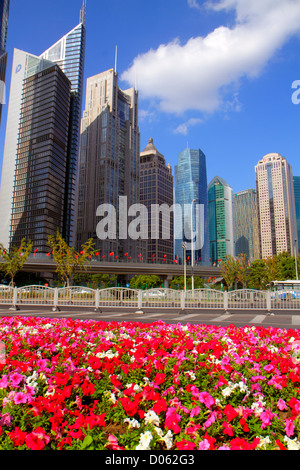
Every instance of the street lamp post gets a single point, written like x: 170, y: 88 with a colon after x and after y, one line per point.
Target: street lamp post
x: 192, y: 244
x: 296, y: 262
x: 184, y: 264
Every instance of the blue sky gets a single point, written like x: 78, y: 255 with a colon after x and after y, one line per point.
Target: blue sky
x: 215, y: 75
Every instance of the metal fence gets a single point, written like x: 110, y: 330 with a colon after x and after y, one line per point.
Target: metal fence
x: 122, y: 298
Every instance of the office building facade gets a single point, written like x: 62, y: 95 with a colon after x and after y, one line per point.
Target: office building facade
x: 246, y: 228
x: 296, y: 180
x: 109, y: 163
x: 68, y: 55
x: 40, y: 176
x: 221, y: 222
x: 156, y: 189
x: 191, y: 195
x: 276, y: 205
x: 4, y: 14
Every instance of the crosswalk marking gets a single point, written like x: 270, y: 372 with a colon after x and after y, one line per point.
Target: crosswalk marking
x: 295, y: 319
x: 184, y: 317
x: 258, y: 319
x: 222, y: 317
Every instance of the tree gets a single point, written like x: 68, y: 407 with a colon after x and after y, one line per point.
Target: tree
x: 14, y: 259
x: 96, y: 280
x: 286, y: 266
x: 242, y: 269
x: 178, y: 282
x: 229, y: 269
x: 145, y: 282
x: 67, y: 259
x: 257, y: 277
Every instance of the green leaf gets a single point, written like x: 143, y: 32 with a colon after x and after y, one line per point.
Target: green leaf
x: 87, y: 442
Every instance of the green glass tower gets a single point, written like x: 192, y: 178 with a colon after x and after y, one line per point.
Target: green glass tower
x: 220, y: 217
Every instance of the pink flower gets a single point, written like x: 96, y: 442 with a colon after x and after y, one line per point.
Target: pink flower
x: 281, y: 404
x: 20, y: 398
x: 204, y: 445
x: 172, y: 420
x: 113, y: 443
x: 210, y: 420
x: 4, y: 382
x: 15, y: 379
x: 266, y: 417
x: 195, y: 411
x: 289, y: 427
x: 207, y: 399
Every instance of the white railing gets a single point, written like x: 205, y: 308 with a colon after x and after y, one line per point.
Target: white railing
x: 120, y: 297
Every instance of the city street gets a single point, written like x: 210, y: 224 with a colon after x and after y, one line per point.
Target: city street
x: 283, y: 319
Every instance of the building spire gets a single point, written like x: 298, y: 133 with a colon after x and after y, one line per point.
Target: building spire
x: 82, y: 17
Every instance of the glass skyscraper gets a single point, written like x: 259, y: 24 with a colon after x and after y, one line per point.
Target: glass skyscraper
x: 246, y: 229
x: 276, y: 205
x: 220, y: 210
x: 191, y: 189
x: 4, y: 13
x: 109, y: 161
x: 297, y: 206
x: 68, y: 54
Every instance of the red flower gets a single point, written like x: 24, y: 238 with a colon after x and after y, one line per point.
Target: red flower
x: 17, y: 436
x: 160, y: 405
x: 87, y: 388
x: 228, y: 429
x: 230, y: 412
x: 159, y: 378
x: 37, y: 439
x: 281, y: 446
x: 244, y: 425
x: 185, y: 445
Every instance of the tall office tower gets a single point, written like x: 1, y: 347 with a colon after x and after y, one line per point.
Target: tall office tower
x: 156, y: 189
x: 109, y: 163
x: 221, y: 222
x: 191, y: 194
x: 40, y: 177
x: 4, y: 13
x: 246, y: 229
x: 276, y: 206
x: 296, y: 180
x: 68, y: 54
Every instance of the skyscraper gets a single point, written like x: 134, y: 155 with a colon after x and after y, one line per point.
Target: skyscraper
x: 4, y: 13
x: 246, y: 231
x: 68, y: 54
x: 109, y: 161
x: 220, y: 215
x: 156, y: 188
x: 297, y: 206
x: 191, y: 191
x: 276, y: 205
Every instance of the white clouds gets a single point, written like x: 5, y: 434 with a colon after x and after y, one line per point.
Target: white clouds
x: 184, y: 127
x: 195, y: 75
x: 193, y: 4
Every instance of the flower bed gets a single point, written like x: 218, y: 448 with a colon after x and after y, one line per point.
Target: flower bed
x: 68, y: 384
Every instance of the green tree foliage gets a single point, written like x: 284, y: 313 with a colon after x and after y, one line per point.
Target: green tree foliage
x: 178, y: 282
x: 14, y: 259
x: 67, y: 259
x: 229, y: 270
x: 257, y: 275
x: 145, y: 282
x: 242, y: 270
x: 94, y: 280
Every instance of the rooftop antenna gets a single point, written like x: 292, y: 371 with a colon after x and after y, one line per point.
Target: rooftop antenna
x: 116, y: 56
x: 82, y: 17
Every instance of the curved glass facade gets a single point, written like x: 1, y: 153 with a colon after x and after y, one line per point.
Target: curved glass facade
x: 191, y: 185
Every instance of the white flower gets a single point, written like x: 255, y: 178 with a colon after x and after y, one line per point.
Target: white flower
x: 263, y: 442
x: 152, y: 418
x: 292, y: 444
x: 133, y: 423
x: 145, y: 439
